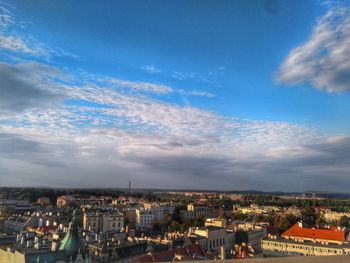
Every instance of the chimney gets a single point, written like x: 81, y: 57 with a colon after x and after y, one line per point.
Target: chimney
x: 222, y: 253
x: 29, y: 243
x: 37, y: 246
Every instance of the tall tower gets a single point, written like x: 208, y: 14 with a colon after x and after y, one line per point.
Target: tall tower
x: 129, y: 192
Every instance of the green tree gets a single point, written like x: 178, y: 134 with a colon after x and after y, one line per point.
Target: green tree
x: 320, y: 221
x: 344, y: 221
x: 308, y: 215
x: 286, y: 222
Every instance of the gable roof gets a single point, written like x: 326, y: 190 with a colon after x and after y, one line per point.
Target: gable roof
x: 314, y: 233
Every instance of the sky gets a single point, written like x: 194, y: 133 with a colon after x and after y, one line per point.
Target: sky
x: 215, y: 95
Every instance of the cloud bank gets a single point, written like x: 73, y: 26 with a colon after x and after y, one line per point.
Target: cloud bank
x: 109, y: 136
x: 67, y: 128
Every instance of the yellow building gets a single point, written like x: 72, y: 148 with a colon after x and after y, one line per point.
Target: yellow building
x: 97, y: 221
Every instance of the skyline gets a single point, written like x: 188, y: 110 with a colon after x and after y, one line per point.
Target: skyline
x: 219, y: 95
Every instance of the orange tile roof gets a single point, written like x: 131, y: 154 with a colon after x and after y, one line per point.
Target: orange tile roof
x: 313, y: 233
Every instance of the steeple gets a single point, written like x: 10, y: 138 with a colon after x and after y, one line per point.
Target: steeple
x: 71, y: 242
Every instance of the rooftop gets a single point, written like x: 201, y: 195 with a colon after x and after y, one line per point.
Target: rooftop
x: 314, y: 233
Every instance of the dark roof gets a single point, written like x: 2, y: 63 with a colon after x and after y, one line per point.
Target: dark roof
x: 188, y: 253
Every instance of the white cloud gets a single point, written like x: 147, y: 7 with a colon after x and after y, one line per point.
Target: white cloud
x: 151, y: 69
x: 155, y: 142
x: 188, y: 75
x: 323, y: 61
x: 141, y: 86
x: 201, y: 93
x: 14, y: 39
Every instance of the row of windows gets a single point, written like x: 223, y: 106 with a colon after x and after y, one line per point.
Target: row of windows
x: 309, y: 248
x: 216, y: 242
x: 113, y: 225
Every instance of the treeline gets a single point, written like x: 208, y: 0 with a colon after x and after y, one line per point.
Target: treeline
x: 338, y: 205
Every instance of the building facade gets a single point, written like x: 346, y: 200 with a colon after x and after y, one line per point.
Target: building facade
x: 199, y: 210
x: 144, y: 218
x: 300, y: 240
x: 98, y: 221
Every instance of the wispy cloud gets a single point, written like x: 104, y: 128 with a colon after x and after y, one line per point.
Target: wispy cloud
x: 323, y: 60
x: 62, y: 127
x: 14, y: 39
x: 188, y: 75
x: 151, y: 69
x: 141, y: 86
x: 201, y: 94
x: 88, y: 121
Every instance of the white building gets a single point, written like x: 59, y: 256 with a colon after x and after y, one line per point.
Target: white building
x: 160, y: 211
x: 144, y: 218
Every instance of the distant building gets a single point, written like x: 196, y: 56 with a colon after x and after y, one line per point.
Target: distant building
x: 188, y: 253
x: 15, y: 205
x: 38, y: 219
x: 187, y: 215
x: 144, y: 218
x: 103, y: 221
x: 160, y: 210
x: 90, y: 201
x: 65, y: 201
x: 43, y: 201
x: 200, y: 210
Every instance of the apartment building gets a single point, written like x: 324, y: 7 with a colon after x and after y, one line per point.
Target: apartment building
x: 300, y: 240
x: 103, y: 221
x: 144, y: 218
x: 216, y: 237
x: 160, y: 209
x: 200, y: 210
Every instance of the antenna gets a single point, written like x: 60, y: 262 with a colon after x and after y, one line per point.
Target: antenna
x: 128, y: 193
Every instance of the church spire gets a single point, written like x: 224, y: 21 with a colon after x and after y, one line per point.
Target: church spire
x: 71, y: 242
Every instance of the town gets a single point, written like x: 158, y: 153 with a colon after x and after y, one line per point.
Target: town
x: 55, y: 225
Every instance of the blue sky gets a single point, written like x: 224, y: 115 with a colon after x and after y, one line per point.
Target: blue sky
x: 141, y: 87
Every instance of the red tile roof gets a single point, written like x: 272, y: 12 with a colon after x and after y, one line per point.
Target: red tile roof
x: 313, y: 233
x: 189, y: 253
